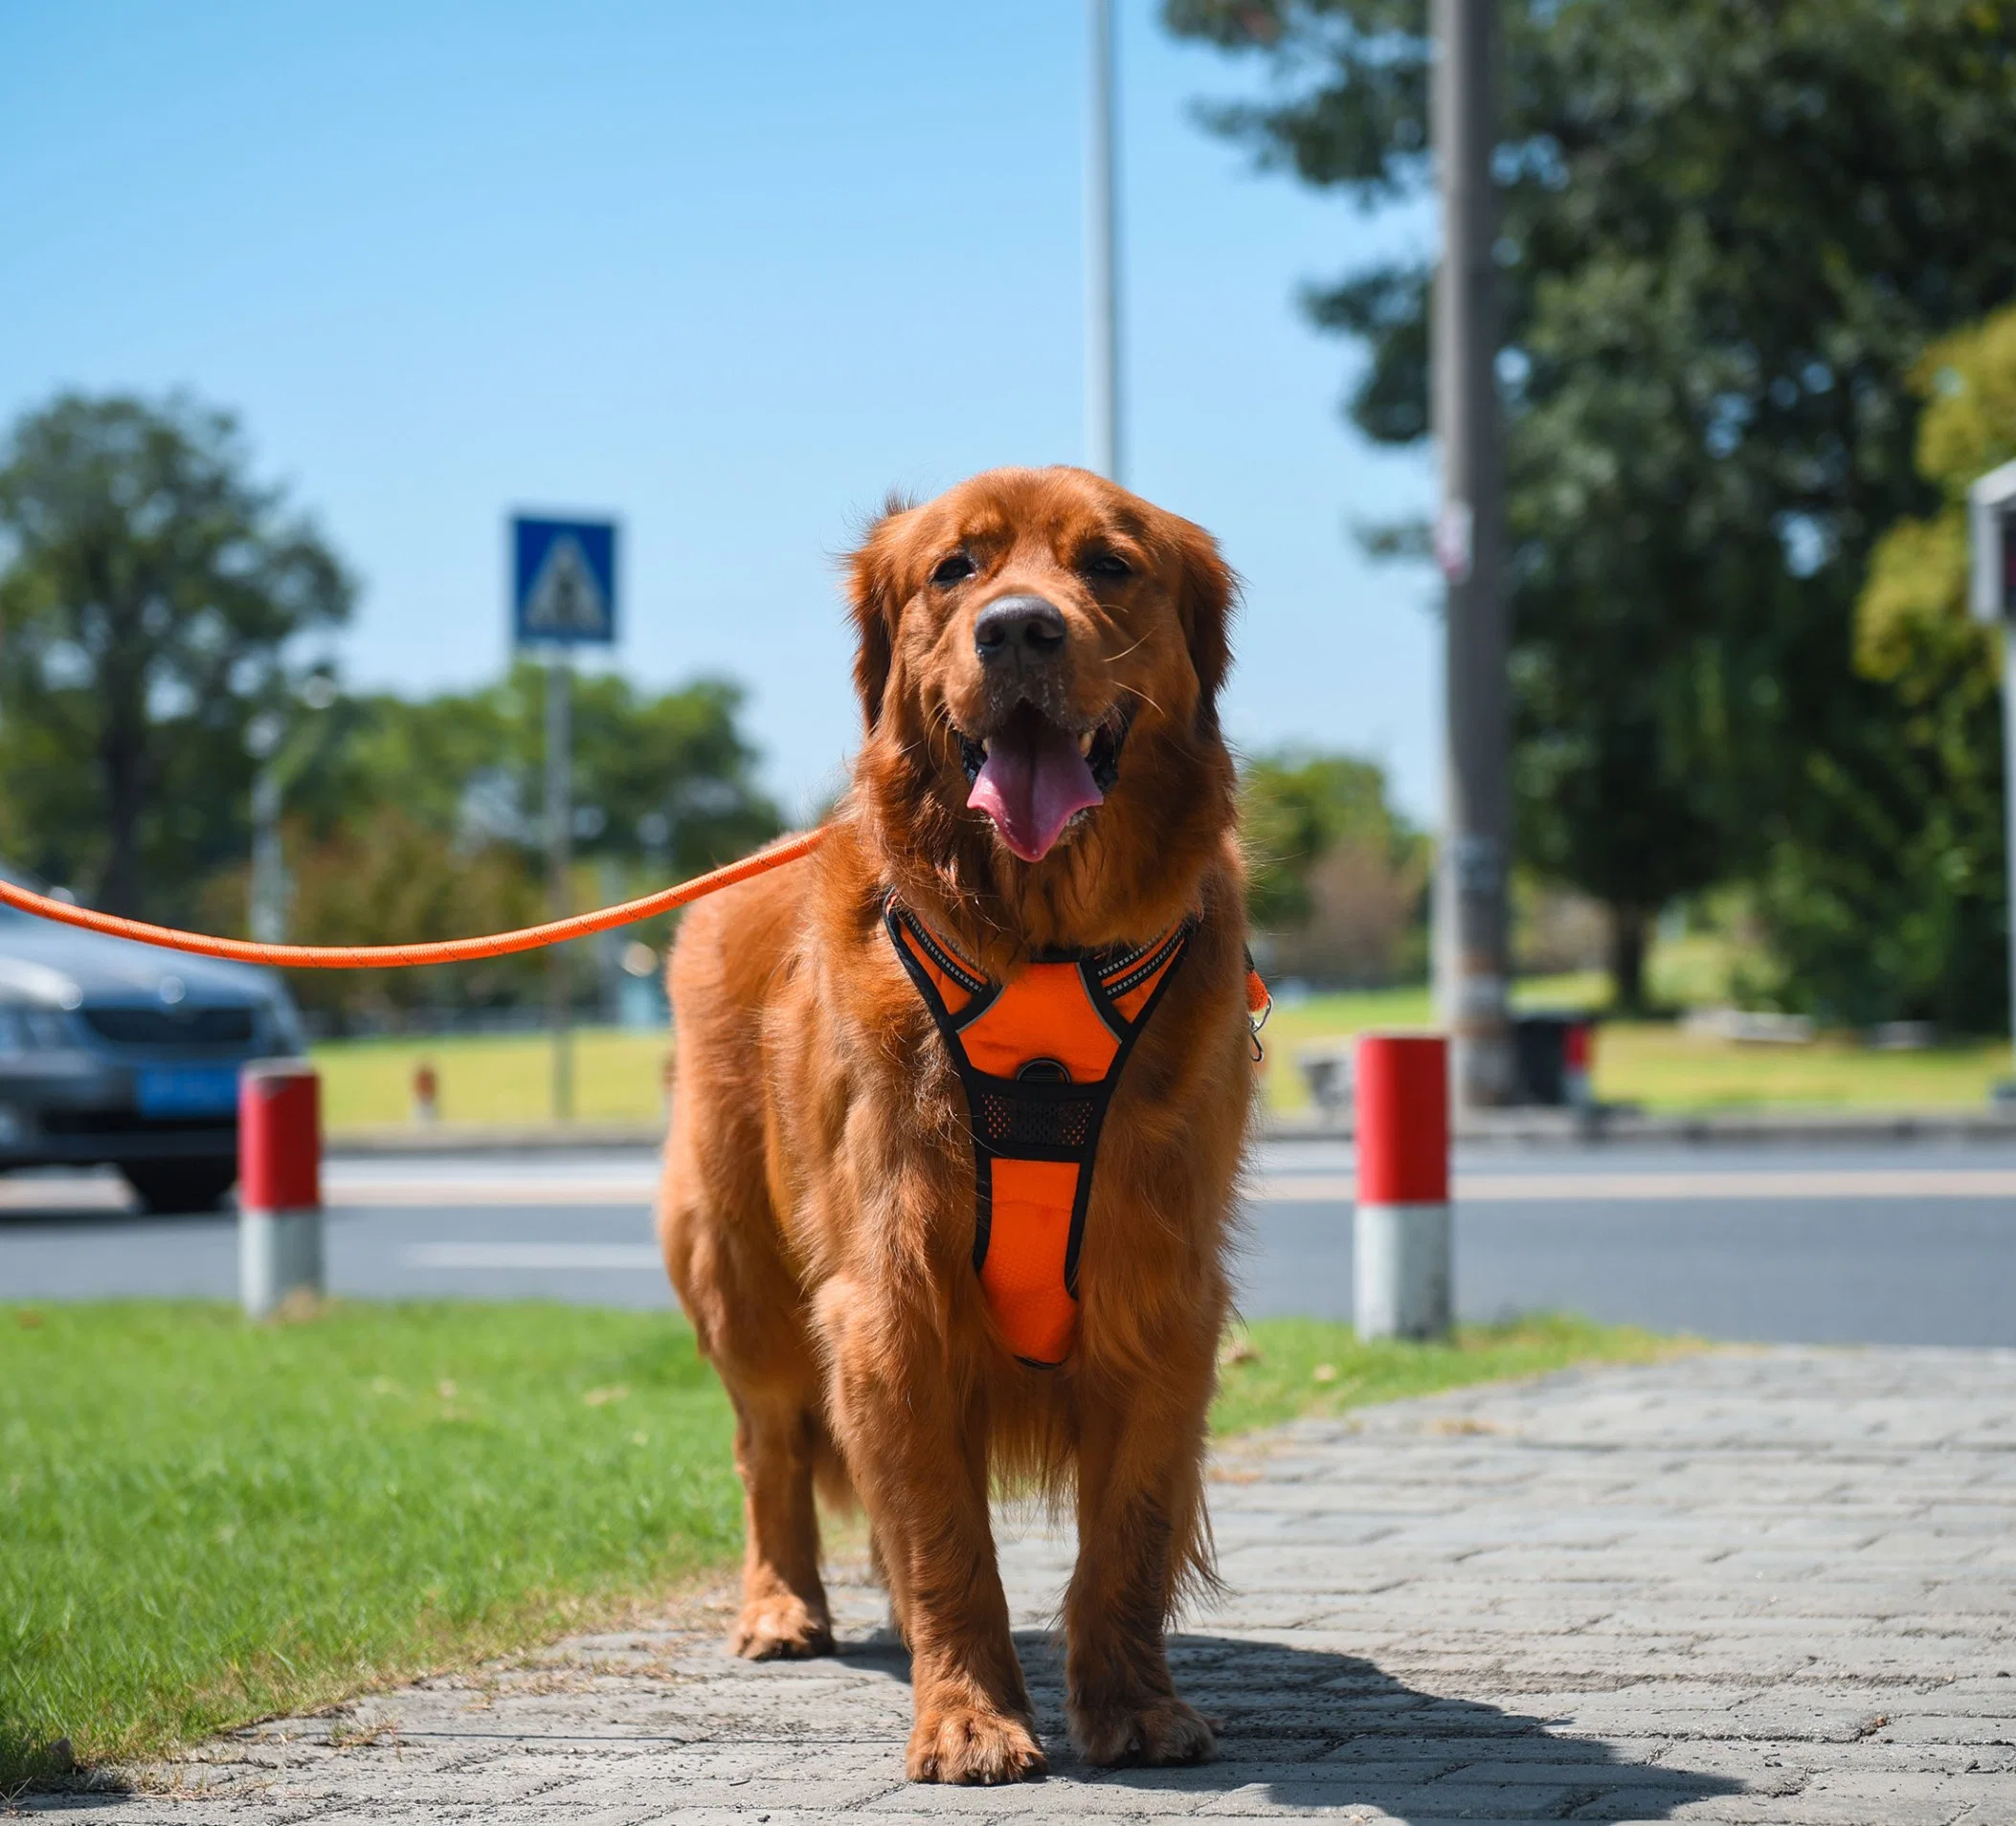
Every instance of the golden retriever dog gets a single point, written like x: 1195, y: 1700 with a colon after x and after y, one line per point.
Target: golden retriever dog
x: 959, y: 1103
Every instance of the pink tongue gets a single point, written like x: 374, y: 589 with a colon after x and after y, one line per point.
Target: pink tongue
x: 1033, y: 780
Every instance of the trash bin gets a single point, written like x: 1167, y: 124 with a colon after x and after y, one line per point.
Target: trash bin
x: 1555, y: 1054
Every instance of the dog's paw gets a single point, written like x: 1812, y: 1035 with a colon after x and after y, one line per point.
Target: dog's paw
x: 1148, y: 1732
x: 779, y: 1628
x: 963, y: 1744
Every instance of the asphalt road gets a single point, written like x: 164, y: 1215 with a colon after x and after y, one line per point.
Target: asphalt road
x: 1899, y: 1244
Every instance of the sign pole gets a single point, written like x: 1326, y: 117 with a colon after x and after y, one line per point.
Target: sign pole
x: 1472, y: 951
x: 559, y: 856
x: 1102, y: 293
x: 563, y: 597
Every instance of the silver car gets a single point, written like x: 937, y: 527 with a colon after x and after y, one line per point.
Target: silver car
x: 118, y: 1054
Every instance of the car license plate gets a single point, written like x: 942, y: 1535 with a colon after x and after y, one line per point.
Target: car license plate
x: 187, y: 1090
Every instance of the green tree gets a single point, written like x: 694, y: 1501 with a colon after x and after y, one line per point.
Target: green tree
x: 425, y: 820
x: 1914, y: 894
x: 1729, y: 232
x: 386, y: 877
x: 150, y: 593
x: 1336, y: 875
x: 663, y: 779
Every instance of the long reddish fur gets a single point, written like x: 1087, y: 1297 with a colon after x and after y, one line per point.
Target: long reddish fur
x: 817, y: 1206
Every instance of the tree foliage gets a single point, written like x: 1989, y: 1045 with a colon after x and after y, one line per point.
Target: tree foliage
x: 150, y: 593
x: 661, y: 778
x: 1336, y: 875
x: 1932, y: 827
x: 1729, y: 234
x: 151, y: 597
x: 425, y: 820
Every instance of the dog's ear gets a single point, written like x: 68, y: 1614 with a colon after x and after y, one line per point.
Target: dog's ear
x: 872, y: 596
x: 1209, y: 591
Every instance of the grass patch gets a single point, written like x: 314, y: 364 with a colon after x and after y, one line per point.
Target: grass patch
x: 204, y: 1522
x: 493, y: 1078
x: 1661, y: 1066
x: 619, y: 1073
x: 1278, y: 1369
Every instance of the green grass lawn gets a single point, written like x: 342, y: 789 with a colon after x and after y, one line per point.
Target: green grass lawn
x: 1283, y: 1369
x: 1660, y: 1065
x: 1663, y: 1067
x: 204, y: 1522
x: 619, y: 1075
x: 493, y: 1078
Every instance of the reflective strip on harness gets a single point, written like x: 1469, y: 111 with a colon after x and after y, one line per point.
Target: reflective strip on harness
x: 1039, y: 1059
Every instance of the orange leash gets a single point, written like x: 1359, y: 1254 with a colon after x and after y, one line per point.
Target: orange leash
x: 374, y: 957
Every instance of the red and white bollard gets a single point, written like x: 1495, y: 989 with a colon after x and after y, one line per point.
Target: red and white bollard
x: 279, y: 1183
x: 1401, y: 1234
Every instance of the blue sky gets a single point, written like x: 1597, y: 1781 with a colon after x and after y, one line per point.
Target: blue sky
x: 731, y: 273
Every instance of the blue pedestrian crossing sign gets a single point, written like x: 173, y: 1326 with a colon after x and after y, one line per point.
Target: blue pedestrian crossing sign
x: 563, y: 582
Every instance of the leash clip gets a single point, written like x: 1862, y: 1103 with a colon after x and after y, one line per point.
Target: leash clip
x: 1259, y: 1006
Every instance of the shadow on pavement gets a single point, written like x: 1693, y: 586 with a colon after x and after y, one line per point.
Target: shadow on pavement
x: 1307, y: 1730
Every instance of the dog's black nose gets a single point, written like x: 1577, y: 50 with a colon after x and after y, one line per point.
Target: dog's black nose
x: 1018, y: 628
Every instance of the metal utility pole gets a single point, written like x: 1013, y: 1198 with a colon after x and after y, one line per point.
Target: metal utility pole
x: 560, y: 859
x: 268, y: 887
x: 1102, y: 283
x: 282, y: 760
x: 1472, y: 951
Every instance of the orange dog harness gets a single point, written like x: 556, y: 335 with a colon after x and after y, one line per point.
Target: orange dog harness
x: 1039, y: 1059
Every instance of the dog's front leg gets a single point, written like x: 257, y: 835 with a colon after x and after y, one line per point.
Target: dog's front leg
x: 916, y: 1447
x: 1140, y: 1517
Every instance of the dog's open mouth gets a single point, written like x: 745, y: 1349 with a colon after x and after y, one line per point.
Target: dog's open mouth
x: 1032, y: 777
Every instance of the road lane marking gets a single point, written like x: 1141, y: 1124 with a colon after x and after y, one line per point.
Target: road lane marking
x: 600, y: 1258
x: 339, y: 1191
x: 56, y: 1196
x: 1649, y: 1187
x: 342, y: 1191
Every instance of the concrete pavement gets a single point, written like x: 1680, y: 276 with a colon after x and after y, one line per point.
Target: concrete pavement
x: 1771, y: 1587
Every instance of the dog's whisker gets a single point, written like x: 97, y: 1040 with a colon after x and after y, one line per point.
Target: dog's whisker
x: 1136, y: 691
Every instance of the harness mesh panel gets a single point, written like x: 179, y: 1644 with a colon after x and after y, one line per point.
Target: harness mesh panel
x: 1009, y: 1121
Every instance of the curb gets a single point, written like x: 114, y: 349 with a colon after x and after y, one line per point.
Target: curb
x: 493, y: 1138
x: 1611, y: 1124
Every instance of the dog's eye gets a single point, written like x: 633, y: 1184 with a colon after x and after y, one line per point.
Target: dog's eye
x: 1106, y: 564
x: 954, y: 570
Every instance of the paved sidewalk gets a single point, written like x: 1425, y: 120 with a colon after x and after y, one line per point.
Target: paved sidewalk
x: 1771, y: 1587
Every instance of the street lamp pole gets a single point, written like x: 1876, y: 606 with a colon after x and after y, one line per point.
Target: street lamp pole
x: 1472, y: 948
x: 1102, y: 296
x: 268, y: 922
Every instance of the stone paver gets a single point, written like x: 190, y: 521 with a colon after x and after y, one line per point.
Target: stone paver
x: 1770, y: 1587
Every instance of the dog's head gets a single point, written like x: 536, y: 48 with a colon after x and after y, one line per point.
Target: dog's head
x: 1038, y: 664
